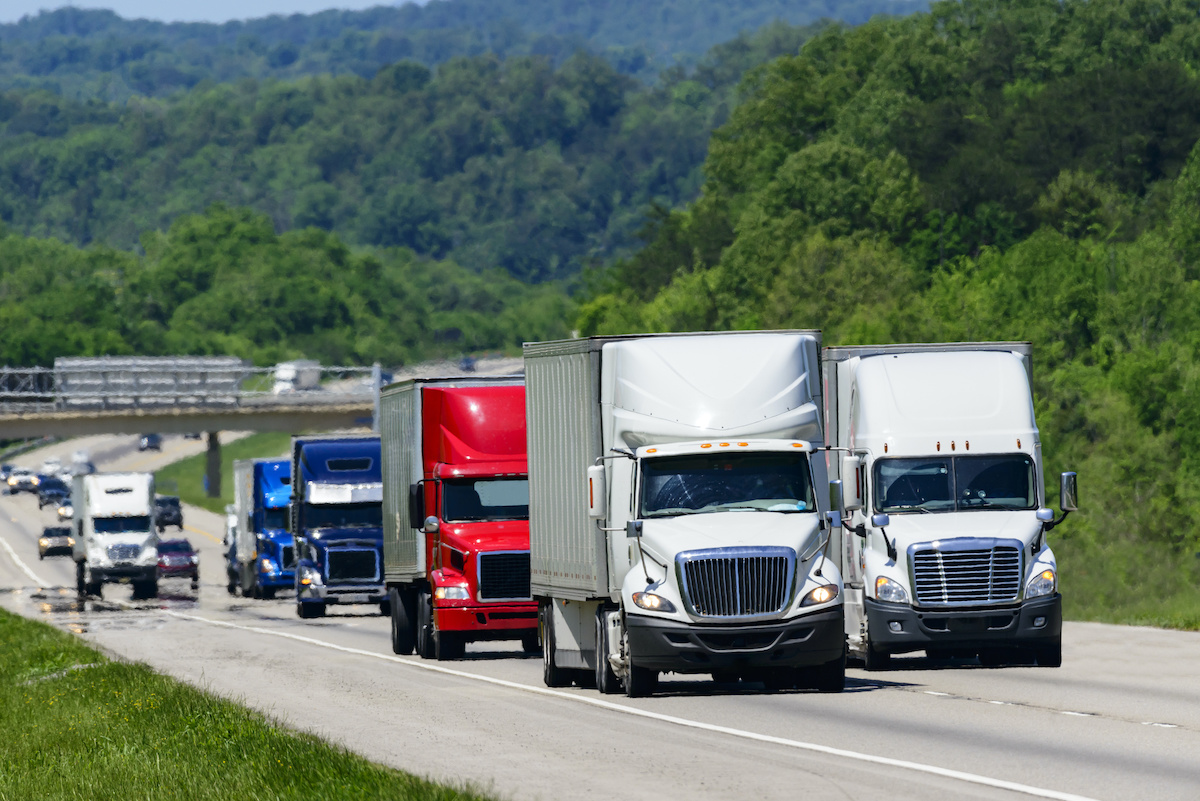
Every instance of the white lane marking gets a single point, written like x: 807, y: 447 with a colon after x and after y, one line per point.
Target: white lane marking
x: 1000, y: 703
x: 24, y: 567
x: 691, y: 724
x: 1080, y: 714
x: 1159, y: 725
x: 935, y: 692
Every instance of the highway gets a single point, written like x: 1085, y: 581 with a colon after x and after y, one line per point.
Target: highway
x: 1119, y: 720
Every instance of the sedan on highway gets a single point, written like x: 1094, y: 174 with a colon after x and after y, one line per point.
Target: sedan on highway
x: 168, y: 512
x: 55, y: 541
x: 52, y: 490
x: 150, y: 442
x: 22, y: 479
x: 178, y: 559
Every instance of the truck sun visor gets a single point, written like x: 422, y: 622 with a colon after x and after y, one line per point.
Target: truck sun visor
x: 321, y: 493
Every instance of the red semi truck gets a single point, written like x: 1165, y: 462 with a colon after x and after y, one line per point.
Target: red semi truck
x: 456, y: 514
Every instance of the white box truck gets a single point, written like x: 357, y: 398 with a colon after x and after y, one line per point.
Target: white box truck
x: 676, y: 482
x: 296, y: 376
x: 942, y: 520
x: 116, y: 540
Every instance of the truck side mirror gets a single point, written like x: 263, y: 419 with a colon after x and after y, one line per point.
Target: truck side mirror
x: 431, y: 525
x: 852, y: 488
x: 1068, y: 494
x: 835, y: 504
x: 881, y: 521
x: 416, y: 506
x: 633, y: 529
x: 597, y: 493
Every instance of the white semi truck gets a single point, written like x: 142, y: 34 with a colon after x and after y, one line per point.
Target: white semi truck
x: 116, y: 540
x: 940, y: 515
x: 675, y: 524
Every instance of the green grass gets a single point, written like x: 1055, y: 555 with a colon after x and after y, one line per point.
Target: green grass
x: 186, y: 477
x: 75, y: 725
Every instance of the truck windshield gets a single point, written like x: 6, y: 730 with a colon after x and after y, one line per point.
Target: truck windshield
x: 118, y: 525
x: 955, y: 483
x: 485, y: 499
x: 276, y: 519
x: 722, y: 482
x: 343, y: 515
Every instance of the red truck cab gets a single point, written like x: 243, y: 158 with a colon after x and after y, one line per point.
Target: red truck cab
x: 471, y: 505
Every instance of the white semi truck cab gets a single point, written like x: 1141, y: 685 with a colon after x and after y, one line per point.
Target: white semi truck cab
x: 941, y: 519
x: 676, y: 494
x: 116, y: 540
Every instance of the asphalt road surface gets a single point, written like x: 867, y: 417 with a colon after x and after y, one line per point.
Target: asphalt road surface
x: 1119, y: 720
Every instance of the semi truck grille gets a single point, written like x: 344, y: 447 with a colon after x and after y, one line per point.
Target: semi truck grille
x: 289, y: 557
x: 352, y: 565
x: 504, y: 576
x: 737, y: 582
x: 124, y: 552
x: 966, y: 576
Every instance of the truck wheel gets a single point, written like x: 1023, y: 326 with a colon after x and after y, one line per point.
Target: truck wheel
x: 606, y: 680
x: 530, y: 643
x: 425, y: 626
x: 385, y: 608
x: 232, y: 586
x: 80, y: 587
x: 640, y: 682
x: 552, y: 674
x: 874, y: 659
x: 310, y: 610
x: 1050, y: 654
x: 827, y: 678
x: 267, y: 593
x: 448, y: 645
x: 402, y: 622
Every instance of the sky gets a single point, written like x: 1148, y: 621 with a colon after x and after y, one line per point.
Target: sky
x: 188, y: 10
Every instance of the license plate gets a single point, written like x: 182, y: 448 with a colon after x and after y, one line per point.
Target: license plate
x: 353, y: 598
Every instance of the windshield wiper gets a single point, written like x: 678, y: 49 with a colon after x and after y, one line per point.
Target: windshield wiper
x: 910, y: 508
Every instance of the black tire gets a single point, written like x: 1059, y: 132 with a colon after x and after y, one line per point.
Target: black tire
x: 552, y: 674
x: 403, y: 629
x: 232, y: 586
x: 385, y: 608
x: 874, y: 659
x: 530, y: 643
x: 606, y: 680
x: 267, y: 593
x: 640, y: 682
x: 449, y: 645
x: 425, y: 645
x: 310, y: 610
x: 1050, y: 654
x: 80, y: 587
x: 827, y: 678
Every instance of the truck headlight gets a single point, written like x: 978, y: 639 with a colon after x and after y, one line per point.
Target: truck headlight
x: 266, y: 565
x: 452, y: 594
x: 1043, y: 583
x: 309, y: 576
x: 822, y: 594
x: 652, y: 602
x: 890, y: 591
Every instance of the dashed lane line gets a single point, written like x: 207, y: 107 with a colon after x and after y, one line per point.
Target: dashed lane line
x: 34, y: 577
x: 186, y: 527
x: 933, y: 770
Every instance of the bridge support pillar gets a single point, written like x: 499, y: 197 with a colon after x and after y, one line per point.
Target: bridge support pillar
x: 212, y: 469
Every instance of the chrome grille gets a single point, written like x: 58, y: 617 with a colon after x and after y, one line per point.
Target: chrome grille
x: 504, y: 576
x: 966, y: 575
x: 736, y: 582
x: 123, y: 552
x: 352, y: 565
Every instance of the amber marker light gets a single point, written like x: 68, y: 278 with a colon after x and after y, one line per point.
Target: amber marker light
x: 651, y: 450
x: 743, y: 444
x: 724, y: 444
x: 706, y: 445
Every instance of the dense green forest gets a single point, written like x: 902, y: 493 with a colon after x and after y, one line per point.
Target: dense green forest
x: 513, y: 164
x: 226, y: 283
x: 96, y: 54
x: 995, y: 169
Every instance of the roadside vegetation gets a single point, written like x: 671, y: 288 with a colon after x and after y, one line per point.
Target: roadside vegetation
x: 187, y: 475
x: 78, y: 725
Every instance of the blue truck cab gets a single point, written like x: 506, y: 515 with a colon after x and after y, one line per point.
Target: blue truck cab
x: 336, y: 517
x: 264, y: 548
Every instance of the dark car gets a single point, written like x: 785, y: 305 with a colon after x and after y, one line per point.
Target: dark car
x: 178, y: 559
x: 52, y: 490
x: 168, y: 512
x: 55, y: 541
x: 150, y: 442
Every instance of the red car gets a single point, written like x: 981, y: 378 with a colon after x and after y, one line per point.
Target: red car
x: 178, y: 559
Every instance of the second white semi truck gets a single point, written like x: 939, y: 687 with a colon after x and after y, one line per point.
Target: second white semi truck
x: 676, y: 494
x: 942, y: 524
x: 116, y: 540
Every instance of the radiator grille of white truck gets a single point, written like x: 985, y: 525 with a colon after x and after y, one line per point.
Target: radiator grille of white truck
x: 966, y: 574
x: 504, y: 576
x: 354, y: 565
x: 123, y: 552
x: 742, y: 583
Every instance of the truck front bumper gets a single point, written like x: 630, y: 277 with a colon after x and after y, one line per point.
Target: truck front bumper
x: 669, y: 645
x: 113, y: 574
x: 491, y: 622
x: 319, y: 593
x: 280, y: 581
x: 898, y: 629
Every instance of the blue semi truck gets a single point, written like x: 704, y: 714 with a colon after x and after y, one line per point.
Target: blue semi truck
x: 264, y: 553
x: 336, y: 518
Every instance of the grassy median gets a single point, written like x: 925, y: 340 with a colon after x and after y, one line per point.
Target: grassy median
x: 188, y: 474
x: 75, y: 725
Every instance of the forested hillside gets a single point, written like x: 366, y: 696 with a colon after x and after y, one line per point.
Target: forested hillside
x: 513, y: 164
x: 997, y: 169
x: 96, y: 54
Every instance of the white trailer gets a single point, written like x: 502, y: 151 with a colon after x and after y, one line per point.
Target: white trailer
x: 296, y: 376
x: 941, y: 531
x: 676, y: 484
x: 116, y: 540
